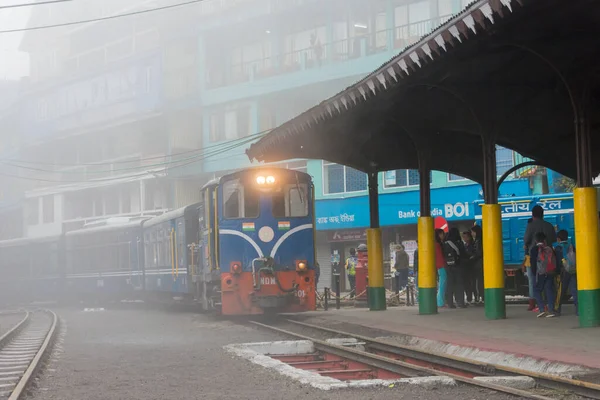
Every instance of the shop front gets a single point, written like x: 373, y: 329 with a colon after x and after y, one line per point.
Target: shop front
x: 341, y: 223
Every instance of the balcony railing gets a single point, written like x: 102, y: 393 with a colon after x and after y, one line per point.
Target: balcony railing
x: 396, y: 38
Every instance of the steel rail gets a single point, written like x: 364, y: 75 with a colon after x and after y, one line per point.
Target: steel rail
x: 7, y: 337
x: 581, y: 388
x: 389, y: 364
x: 20, y: 389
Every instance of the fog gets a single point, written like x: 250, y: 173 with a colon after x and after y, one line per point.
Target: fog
x: 118, y: 119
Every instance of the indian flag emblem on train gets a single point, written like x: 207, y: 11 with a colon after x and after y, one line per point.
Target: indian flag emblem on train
x: 283, y: 225
x: 248, y: 226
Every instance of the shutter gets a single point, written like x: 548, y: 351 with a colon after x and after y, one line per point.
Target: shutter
x: 324, y: 259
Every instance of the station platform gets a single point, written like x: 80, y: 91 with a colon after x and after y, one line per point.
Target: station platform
x: 558, y: 339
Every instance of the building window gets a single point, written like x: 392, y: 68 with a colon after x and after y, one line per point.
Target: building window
x: 216, y: 126
x: 505, y: 160
x: 402, y: 178
x: 454, y: 178
x: 33, y: 212
x: 148, y: 80
x: 48, y: 209
x: 340, y: 179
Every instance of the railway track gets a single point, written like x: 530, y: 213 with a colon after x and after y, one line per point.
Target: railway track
x: 408, y: 361
x: 22, y: 350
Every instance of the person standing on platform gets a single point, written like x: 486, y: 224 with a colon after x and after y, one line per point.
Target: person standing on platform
x: 469, y: 279
x: 351, y: 263
x: 477, y: 260
x: 454, y: 252
x: 530, y: 276
x: 416, y: 268
x: 565, y: 254
x: 543, y: 260
x: 440, y: 264
x: 536, y: 225
x: 401, y: 268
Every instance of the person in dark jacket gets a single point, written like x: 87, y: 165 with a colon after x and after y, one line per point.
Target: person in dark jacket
x: 416, y: 267
x: 538, y: 225
x: 469, y: 276
x: 317, y: 273
x: 401, y: 268
x: 455, y: 257
x: 477, y: 259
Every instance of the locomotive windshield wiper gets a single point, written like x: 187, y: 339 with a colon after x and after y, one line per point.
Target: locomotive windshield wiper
x: 298, y: 188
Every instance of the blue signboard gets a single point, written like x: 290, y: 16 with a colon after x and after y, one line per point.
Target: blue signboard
x: 552, y: 204
x: 121, y: 92
x: 453, y: 203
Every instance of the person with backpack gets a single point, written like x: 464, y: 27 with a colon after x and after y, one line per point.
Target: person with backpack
x: 440, y: 264
x: 454, y: 253
x: 543, y: 260
x: 565, y: 254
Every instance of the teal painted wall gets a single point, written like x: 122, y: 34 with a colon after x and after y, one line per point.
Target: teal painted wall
x: 439, y: 180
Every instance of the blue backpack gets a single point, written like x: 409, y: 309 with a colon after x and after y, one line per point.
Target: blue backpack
x: 565, y: 252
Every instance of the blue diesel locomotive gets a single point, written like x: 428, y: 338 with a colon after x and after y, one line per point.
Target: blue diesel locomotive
x: 257, y: 239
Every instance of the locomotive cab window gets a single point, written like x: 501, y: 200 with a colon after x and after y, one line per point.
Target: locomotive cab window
x: 239, y: 201
x: 292, y: 201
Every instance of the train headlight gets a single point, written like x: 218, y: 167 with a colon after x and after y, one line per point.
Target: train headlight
x: 301, y: 266
x: 270, y: 180
x: 260, y: 180
x: 236, y: 267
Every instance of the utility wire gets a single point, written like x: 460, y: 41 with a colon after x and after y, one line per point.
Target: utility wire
x: 133, y: 177
x: 18, y: 161
x: 39, y: 3
x: 85, y: 21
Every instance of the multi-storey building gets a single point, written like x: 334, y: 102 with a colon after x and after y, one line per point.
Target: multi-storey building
x: 132, y: 115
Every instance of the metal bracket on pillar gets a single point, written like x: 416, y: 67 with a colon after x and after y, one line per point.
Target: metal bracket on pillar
x: 424, y: 185
x: 490, y: 185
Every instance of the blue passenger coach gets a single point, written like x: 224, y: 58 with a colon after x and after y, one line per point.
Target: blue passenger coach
x: 105, y: 261
x: 168, y: 249
x: 30, y: 269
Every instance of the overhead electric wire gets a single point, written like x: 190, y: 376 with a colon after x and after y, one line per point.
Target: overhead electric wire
x: 39, y: 3
x: 85, y: 21
x: 124, y: 179
x: 18, y: 161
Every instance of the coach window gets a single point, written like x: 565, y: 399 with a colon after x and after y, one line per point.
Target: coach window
x: 239, y: 201
x: 292, y: 201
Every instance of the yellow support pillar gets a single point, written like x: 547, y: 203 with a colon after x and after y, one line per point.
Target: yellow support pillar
x: 588, y: 256
x: 376, y: 290
x: 427, y: 271
x: 493, y: 262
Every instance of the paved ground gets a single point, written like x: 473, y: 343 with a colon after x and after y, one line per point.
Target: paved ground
x: 557, y: 339
x: 129, y: 354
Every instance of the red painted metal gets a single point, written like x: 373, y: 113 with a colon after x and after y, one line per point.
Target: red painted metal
x: 320, y: 365
x: 334, y: 366
x: 362, y: 275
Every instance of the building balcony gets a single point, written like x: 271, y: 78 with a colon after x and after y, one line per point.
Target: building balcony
x: 333, y: 60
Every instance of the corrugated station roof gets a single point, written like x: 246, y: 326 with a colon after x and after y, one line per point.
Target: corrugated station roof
x: 498, y: 68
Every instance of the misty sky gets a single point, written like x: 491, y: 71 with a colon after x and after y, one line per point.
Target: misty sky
x: 13, y: 64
